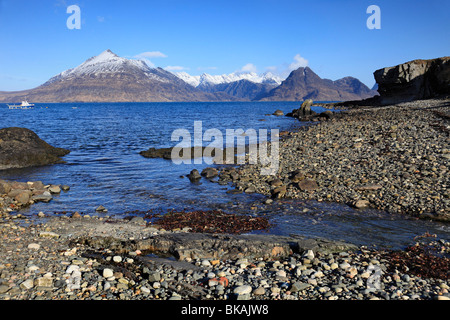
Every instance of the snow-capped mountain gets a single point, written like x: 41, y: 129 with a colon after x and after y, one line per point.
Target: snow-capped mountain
x: 205, y: 79
x: 108, y: 63
x: 110, y: 78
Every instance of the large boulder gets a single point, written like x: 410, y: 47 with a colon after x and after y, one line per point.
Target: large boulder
x: 414, y: 80
x: 21, y: 148
x: 304, y: 113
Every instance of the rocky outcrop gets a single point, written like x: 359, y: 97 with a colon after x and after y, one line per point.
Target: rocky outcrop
x: 21, y: 148
x: 185, y: 246
x: 414, y: 80
x: 15, y: 195
x: 305, y: 113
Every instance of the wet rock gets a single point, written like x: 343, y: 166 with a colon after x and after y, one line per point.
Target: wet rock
x: 54, y: 189
x: 194, y: 175
x: 44, y: 197
x: 278, y: 113
x: 361, y: 204
x: 101, y: 209
x: 279, y: 192
x: 21, y: 148
x: 210, y: 173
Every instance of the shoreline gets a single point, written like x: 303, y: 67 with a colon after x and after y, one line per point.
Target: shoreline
x: 104, y: 258
x: 101, y: 258
x: 391, y: 158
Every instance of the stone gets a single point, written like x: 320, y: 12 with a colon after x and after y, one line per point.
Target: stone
x: 369, y: 187
x: 299, y: 286
x: 76, y: 215
x: 108, y: 273
x: 27, y: 284
x: 278, y: 113
x: 5, y: 187
x: 117, y: 259
x: 34, y: 246
x: 361, y: 204
x: 352, y: 272
x: 281, y: 274
x: 297, y: 177
x: 23, y: 197
x: 279, y: 192
x: 259, y: 291
x: 42, y: 197
x: 209, y: 173
x: 101, y: 209
x: 308, y: 185
x: 138, y: 220
x: 250, y: 189
x: 54, y: 189
x: 154, y: 277
x: 194, y: 175
x: 345, y: 266
x: 242, y: 290
x: 276, y: 183
x: 3, y: 288
x: 206, y: 263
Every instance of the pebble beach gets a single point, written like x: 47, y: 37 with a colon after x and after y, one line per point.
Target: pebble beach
x: 391, y: 158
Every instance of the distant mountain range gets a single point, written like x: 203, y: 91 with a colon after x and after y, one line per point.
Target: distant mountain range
x: 304, y: 84
x: 110, y: 78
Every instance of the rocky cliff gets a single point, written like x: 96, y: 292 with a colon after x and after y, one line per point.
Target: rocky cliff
x: 414, y: 80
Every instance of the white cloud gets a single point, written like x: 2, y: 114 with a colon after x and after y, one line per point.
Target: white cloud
x: 299, y: 62
x: 100, y: 19
x: 249, y: 67
x: 285, y: 69
x: 151, y: 54
x: 146, y: 56
x: 175, y: 68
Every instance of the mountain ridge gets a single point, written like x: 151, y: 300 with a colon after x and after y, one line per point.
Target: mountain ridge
x: 303, y: 83
x: 110, y: 78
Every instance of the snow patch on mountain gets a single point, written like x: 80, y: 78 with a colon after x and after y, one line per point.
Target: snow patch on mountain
x: 108, y: 63
x: 208, y: 80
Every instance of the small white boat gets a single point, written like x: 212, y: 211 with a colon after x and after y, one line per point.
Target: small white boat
x: 23, y: 105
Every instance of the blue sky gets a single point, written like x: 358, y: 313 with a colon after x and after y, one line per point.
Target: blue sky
x: 218, y: 36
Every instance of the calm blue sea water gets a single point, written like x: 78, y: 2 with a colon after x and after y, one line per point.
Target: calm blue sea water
x: 105, y: 167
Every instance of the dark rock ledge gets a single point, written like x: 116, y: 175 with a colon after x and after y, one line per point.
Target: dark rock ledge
x: 21, y: 148
x: 186, y: 246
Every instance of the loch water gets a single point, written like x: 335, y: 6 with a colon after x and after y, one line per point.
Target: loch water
x: 105, y: 168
